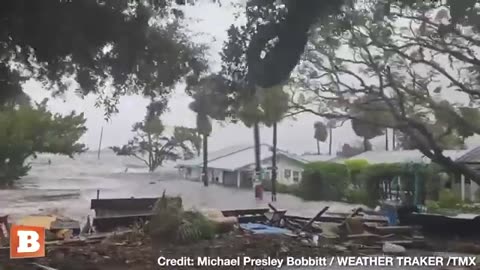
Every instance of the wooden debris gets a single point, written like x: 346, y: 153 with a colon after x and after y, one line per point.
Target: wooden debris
x: 43, y: 267
x: 319, y: 214
x: 277, y: 216
x: 397, y: 230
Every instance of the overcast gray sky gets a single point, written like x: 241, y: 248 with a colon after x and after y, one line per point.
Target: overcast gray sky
x: 208, y: 24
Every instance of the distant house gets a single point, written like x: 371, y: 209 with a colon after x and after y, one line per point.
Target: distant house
x: 235, y: 165
x: 465, y: 188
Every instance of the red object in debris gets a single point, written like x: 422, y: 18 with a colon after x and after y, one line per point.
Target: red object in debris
x: 259, y: 192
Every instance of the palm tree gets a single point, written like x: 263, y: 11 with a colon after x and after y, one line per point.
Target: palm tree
x: 275, y: 105
x: 204, y: 127
x: 331, y: 124
x: 251, y: 116
x: 320, y: 134
x: 208, y: 104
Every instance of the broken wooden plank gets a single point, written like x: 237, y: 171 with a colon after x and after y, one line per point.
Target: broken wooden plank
x: 353, y: 214
x: 124, y: 204
x: 244, y: 212
x: 394, y: 229
x: 43, y: 267
x: 327, y: 217
x: 277, y: 215
x: 319, y: 214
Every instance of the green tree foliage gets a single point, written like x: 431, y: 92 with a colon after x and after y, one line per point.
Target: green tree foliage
x: 274, y: 104
x: 153, y: 147
x: 355, y: 167
x: 405, y: 76
x: 28, y: 130
x: 171, y: 224
x: 97, y: 44
x: 209, y: 101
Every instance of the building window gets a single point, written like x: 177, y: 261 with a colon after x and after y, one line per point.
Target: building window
x: 296, y: 176
x: 287, y: 173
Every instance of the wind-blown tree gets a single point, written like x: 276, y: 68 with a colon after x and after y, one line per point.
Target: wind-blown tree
x: 424, y: 76
x: 331, y: 125
x: 251, y: 115
x: 320, y: 134
x: 28, y: 130
x: 349, y: 150
x: 366, y: 131
x: 152, y: 146
x: 96, y: 44
x: 204, y: 127
x: 275, y: 104
x: 240, y: 76
x: 209, y: 101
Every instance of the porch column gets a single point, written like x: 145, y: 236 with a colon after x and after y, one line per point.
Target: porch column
x: 238, y: 179
x: 472, y: 191
x: 462, y: 186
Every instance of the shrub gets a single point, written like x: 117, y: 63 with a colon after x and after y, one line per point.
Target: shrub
x: 355, y: 167
x: 357, y: 196
x: 195, y: 227
x: 281, y: 188
x: 448, y: 199
x: 324, y: 181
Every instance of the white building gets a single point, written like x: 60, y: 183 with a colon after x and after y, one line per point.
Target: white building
x: 466, y: 189
x: 234, y: 166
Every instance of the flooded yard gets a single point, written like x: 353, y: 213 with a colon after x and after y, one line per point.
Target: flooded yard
x: 67, y: 186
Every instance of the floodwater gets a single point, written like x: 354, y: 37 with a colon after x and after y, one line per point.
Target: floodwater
x: 66, y: 186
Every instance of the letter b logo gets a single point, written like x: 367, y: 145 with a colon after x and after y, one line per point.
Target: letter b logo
x: 27, y: 242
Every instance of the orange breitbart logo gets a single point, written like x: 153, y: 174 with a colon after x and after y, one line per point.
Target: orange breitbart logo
x: 27, y: 242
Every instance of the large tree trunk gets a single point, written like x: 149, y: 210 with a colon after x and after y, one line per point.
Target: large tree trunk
x: 274, y: 164
x: 318, y: 147
x: 330, y: 140
x: 258, y: 166
x: 366, y: 147
x: 205, y: 160
x: 386, y: 139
